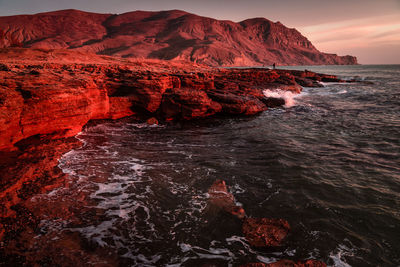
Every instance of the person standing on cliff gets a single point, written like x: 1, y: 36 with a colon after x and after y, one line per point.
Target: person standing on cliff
x: 273, y: 66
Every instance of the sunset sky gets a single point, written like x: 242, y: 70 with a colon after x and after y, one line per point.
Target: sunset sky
x: 368, y: 29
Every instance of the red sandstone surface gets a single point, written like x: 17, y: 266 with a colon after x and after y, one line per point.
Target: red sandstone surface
x: 170, y: 35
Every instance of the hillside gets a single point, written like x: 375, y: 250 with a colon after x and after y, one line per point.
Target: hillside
x: 166, y: 35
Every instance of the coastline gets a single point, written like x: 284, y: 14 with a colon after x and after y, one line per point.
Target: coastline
x: 166, y: 91
x: 55, y: 93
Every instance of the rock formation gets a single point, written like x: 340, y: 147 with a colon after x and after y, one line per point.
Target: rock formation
x: 57, y: 92
x: 166, y: 35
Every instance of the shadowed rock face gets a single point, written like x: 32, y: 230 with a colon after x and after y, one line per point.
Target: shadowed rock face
x: 166, y: 35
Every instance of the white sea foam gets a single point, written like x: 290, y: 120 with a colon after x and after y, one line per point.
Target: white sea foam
x: 266, y: 260
x: 333, y: 83
x: 338, y: 255
x: 210, y: 253
x: 237, y: 189
x: 285, y: 95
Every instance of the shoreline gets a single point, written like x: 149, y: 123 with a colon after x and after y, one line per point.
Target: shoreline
x: 43, y: 96
x: 54, y: 101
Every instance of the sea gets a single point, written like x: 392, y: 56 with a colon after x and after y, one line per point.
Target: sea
x: 328, y: 162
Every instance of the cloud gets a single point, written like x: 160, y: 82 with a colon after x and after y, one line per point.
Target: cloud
x: 356, y: 35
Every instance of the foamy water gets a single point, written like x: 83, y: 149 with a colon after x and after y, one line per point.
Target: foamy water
x: 288, y: 96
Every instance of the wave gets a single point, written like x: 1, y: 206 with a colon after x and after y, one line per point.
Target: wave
x: 339, y: 254
x: 281, y: 94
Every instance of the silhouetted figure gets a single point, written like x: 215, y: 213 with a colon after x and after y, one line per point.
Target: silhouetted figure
x: 273, y: 66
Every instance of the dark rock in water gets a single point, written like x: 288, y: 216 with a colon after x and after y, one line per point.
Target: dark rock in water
x: 273, y: 102
x: 288, y: 263
x: 221, y: 198
x: 152, y: 121
x: 263, y: 232
x: 333, y: 79
x: 308, y: 82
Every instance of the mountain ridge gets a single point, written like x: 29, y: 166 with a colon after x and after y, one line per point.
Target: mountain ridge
x: 167, y: 35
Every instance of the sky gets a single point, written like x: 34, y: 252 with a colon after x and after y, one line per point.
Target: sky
x: 368, y: 29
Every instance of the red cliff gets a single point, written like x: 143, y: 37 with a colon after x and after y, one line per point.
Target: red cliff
x: 169, y: 35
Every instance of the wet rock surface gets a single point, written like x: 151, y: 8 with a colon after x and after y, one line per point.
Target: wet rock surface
x: 221, y: 198
x: 264, y: 232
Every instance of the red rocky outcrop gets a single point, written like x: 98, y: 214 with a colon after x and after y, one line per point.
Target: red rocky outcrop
x: 57, y: 92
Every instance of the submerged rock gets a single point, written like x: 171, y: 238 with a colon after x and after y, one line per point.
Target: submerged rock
x: 152, y: 121
x: 264, y: 232
x: 273, y: 102
x: 221, y: 198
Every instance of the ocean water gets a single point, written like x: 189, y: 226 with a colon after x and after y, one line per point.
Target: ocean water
x: 328, y: 162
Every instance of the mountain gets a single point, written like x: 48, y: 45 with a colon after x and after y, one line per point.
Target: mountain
x: 166, y: 35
